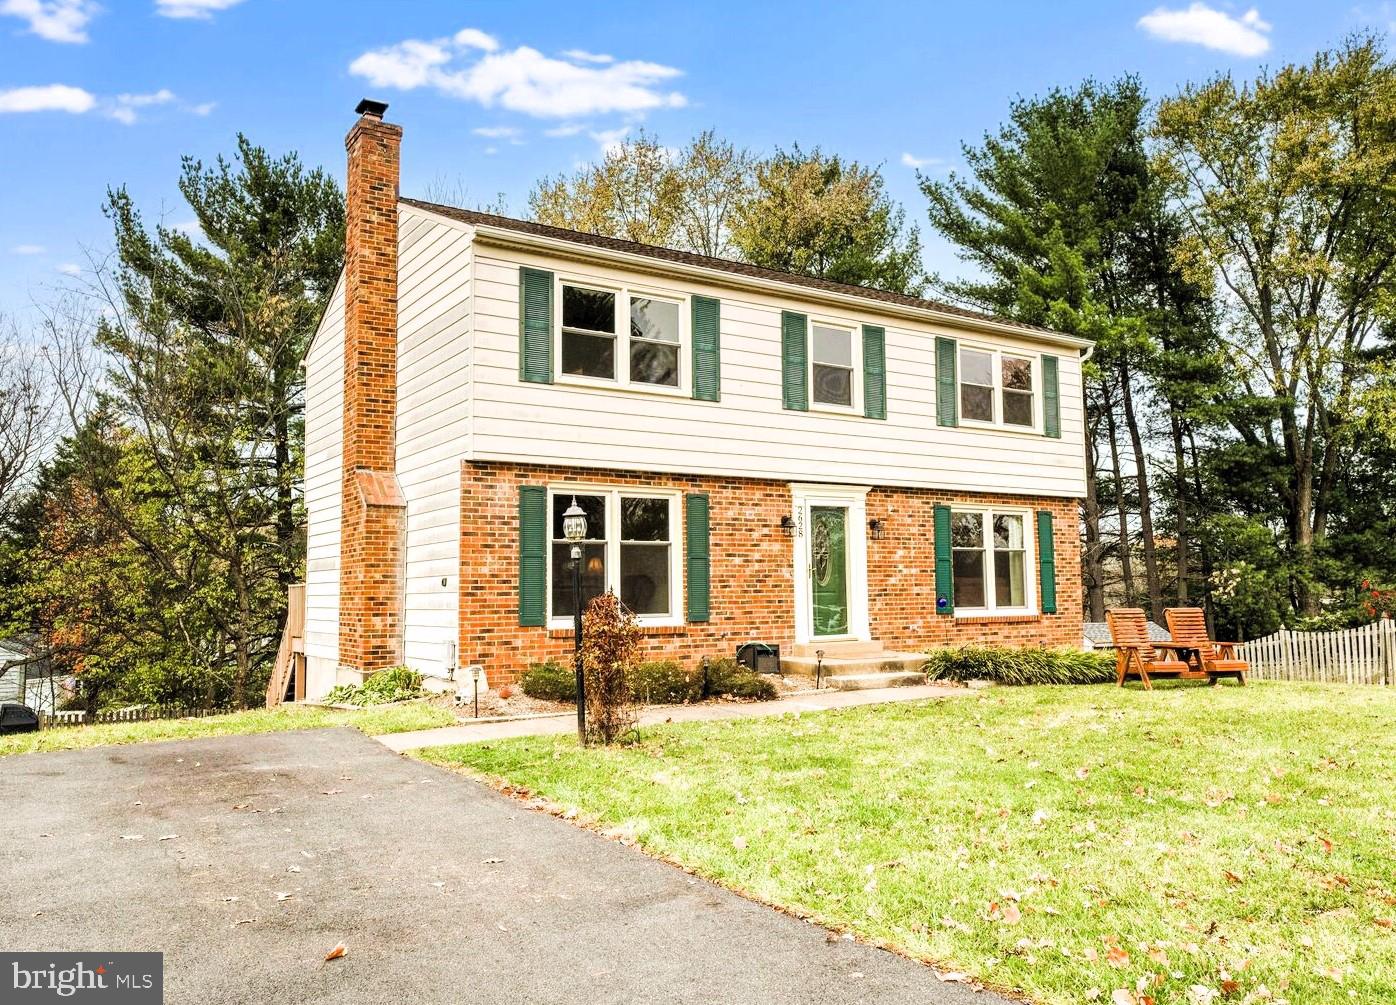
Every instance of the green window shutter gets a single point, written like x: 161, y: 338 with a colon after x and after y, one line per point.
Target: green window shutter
x: 533, y: 555
x: 535, y: 326
x: 1051, y: 399
x: 945, y: 570
x: 699, y: 565
x: 874, y: 372
x: 947, y: 410
x: 1047, y: 562
x: 707, y: 371
x: 794, y: 360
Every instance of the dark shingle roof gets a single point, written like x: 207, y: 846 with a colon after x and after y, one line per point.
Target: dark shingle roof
x: 475, y: 218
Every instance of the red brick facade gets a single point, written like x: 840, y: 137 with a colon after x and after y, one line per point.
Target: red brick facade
x: 372, y: 524
x: 753, y: 595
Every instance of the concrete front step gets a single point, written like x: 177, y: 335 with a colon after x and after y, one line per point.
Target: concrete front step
x: 879, y: 662
x: 867, y: 681
x: 836, y: 650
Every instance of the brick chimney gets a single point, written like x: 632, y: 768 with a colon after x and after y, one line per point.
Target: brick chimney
x: 372, y: 523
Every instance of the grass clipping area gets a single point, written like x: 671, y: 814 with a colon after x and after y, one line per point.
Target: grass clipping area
x: 1190, y: 845
x: 373, y: 721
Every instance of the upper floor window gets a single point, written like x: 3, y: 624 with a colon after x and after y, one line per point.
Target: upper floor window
x: 832, y: 361
x: 990, y: 560
x: 614, y: 335
x: 998, y: 387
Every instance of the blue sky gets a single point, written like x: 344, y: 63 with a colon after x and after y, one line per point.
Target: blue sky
x: 493, y: 95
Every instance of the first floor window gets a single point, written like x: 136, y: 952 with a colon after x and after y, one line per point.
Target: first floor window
x: 833, y: 365
x: 990, y: 559
x: 629, y: 549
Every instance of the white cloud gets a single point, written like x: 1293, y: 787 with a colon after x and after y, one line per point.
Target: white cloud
x: 520, y: 80
x: 610, y: 140
x: 912, y: 161
x: 55, y: 20
x: 47, y: 98
x: 1199, y: 24
x: 582, y: 56
x: 187, y: 9
x: 123, y: 107
x: 69, y: 269
x: 474, y: 38
x: 203, y: 109
x: 27, y: 249
x: 496, y: 132
x: 570, y: 129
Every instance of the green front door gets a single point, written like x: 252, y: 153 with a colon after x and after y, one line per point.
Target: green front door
x: 828, y: 566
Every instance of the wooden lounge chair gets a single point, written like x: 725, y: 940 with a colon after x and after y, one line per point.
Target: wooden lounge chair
x: 1188, y: 626
x: 1137, y: 655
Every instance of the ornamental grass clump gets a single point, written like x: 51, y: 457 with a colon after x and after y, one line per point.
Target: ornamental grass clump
x: 1004, y: 665
x: 610, y: 651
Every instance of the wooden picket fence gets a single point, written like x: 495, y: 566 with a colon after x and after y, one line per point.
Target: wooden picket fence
x: 1365, y: 655
x: 137, y: 713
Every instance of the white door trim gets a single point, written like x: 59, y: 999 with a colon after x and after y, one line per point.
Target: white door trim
x: 854, y: 499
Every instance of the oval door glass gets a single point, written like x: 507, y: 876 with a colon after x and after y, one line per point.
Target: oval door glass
x: 829, y: 569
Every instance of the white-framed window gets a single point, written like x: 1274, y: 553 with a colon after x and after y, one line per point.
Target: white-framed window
x: 633, y: 548
x: 620, y: 337
x: 991, y: 560
x: 833, y: 375
x: 998, y: 387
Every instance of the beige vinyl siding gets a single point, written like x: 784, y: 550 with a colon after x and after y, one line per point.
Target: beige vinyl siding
x: 433, y: 425
x: 324, y: 445
x: 748, y: 432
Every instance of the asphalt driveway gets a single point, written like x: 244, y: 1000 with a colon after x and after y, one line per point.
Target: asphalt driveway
x: 246, y: 859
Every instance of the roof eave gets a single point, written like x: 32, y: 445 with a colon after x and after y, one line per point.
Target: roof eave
x: 522, y: 240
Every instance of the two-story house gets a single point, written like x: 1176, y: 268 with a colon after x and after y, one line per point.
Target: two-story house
x: 760, y: 456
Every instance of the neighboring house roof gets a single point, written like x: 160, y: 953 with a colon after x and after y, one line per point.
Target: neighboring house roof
x: 475, y: 218
x: 1098, y: 633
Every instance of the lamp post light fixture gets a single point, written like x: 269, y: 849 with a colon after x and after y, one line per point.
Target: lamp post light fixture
x: 475, y: 675
x: 574, y: 529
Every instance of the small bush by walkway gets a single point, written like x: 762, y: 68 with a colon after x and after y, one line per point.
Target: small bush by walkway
x: 373, y: 721
x: 1203, y: 844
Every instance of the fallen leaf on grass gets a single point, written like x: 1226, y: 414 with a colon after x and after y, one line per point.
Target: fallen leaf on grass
x: 1382, y: 922
x: 1123, y: 996
x: 337, y: 952
x: 1230, y: 987
x: 954, y: 977
x: 1117, y: 957
x: 739, y: 842
x: 1231, y: 877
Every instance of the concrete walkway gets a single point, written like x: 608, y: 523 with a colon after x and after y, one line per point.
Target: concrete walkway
x: 245, y: 859
x: 815, y: 701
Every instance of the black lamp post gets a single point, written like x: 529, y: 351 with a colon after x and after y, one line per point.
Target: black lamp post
x: 574, y: 529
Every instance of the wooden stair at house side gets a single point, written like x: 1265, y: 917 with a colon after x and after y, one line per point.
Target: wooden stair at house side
x: 290, y: 654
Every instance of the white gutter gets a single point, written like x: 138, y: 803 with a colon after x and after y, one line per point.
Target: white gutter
x: 505, y: 237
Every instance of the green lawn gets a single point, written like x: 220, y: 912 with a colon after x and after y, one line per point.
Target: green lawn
x: 388, y: 719
x: 1062, y: 842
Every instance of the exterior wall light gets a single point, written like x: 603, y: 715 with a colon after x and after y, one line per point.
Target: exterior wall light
x: 876, y: 528
x: 787, y: 524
